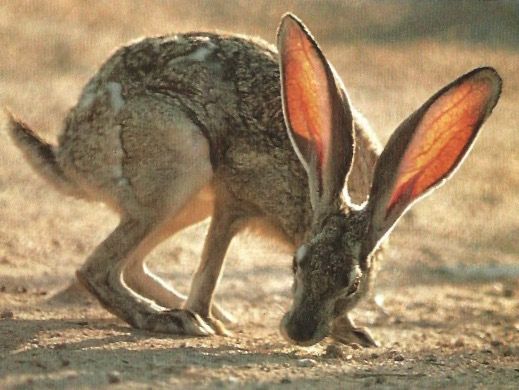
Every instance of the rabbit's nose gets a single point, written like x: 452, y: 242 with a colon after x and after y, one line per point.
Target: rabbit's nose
x: 301, y: 329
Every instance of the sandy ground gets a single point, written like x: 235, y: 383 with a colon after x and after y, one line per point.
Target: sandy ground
x: 449, y: 283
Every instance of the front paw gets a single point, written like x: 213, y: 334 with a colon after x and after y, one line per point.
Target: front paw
x: 222, y: 315
x: 217, y: 326
x: 344, y: 331
x: 361, y: 336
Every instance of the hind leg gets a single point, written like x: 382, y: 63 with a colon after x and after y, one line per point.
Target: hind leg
x: 140, y: 279
x: 102, y: 276
x: 161, y: 163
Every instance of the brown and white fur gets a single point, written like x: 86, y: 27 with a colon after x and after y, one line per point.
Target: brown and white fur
x: 178, y: 128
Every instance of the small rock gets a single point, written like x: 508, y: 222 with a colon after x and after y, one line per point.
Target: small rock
x: 285, y: 381
x: 233, y: 380
x: 396, y: 356
x: 496, y: 343
x: 374, y: 355
x: 114, y: 377
x: 333, y: 351
x: 6, y: 315
x: 4, y: 260
x: 21, y: 289
x: 306, y: 363
x: 459, y: 342
x: 39, y: 363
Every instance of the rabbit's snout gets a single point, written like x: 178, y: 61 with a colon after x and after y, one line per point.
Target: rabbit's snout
x: 303, y: 328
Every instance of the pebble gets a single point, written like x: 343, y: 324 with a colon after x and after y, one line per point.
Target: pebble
x: 459, y: 342
x: 396, y: 356
x: 496, y: 343
x: 333, y: 351
x: 114, y: 377
x: 233, y: 380
x: 306, y: 363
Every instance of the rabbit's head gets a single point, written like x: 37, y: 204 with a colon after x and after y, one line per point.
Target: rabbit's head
x: 331, y: 267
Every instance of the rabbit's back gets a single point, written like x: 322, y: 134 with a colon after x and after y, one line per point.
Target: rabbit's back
x: 227, y: 87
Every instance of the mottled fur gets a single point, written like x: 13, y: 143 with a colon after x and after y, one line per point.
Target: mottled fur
x: 172, y: 130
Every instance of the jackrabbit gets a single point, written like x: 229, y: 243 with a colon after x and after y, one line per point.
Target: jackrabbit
x: 177, y: 128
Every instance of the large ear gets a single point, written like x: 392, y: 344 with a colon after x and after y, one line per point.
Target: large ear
x: 427, y: 147
x: 317, y: 112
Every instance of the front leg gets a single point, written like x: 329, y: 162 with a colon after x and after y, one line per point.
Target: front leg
x: 221, y: 231
x: 344, y: 331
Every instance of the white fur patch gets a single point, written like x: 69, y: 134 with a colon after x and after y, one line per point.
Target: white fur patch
x: 116, y: 97
x: 199, y: 55
x: 301, y: 253
x: 88, y: 96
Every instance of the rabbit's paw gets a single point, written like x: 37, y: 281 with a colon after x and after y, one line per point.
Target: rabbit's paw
x: 217, y: 326
x: 176, y: 321
x: 345, y: 332
x: 222, y: 315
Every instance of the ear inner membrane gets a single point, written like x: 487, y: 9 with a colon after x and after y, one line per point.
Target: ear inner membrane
x: 308, y: 108
x: 318, y: 116
x: 441, y: 139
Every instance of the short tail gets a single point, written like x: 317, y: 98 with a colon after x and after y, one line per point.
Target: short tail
x: 40, y: 156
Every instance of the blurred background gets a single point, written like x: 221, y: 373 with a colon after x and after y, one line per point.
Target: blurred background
x: 392, y: 55
x: 461, y: 243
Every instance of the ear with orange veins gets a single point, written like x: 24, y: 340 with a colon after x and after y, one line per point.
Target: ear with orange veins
x: 316, y: 112
x: 428, y: 147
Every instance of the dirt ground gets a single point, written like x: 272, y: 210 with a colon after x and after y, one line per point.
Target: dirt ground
x: 449, y: 284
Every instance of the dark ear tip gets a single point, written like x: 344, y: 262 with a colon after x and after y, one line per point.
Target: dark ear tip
x: 489, y: 73
x: 289, y: 17
x: 289, y: 20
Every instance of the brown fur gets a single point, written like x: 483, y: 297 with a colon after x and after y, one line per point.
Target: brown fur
x: 169, y: 126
